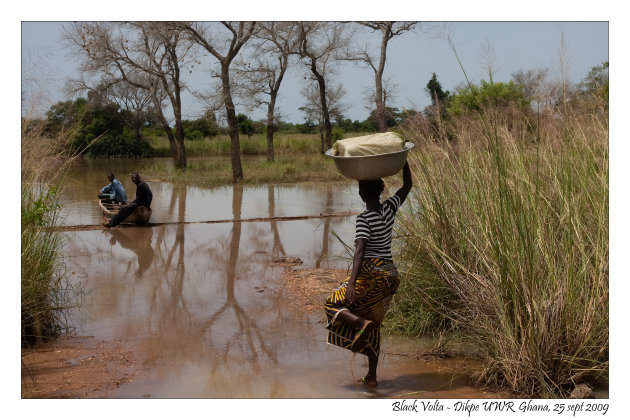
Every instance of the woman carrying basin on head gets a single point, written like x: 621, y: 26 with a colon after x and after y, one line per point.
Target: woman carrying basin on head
x: 356, y: 309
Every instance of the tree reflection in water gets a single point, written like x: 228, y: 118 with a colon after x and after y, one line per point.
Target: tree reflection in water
x: 325, y: 240
x: 174, y: 311
x: 277, y: 250
x: 247, y: 343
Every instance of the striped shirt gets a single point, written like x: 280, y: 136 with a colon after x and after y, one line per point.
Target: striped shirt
x: 377, y: 229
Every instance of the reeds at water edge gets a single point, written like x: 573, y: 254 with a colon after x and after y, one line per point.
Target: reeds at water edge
x: 506, y: 241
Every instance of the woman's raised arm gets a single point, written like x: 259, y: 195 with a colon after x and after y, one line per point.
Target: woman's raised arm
x: 407, y: 183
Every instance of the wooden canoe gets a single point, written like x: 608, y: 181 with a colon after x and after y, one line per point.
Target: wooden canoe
x: 139, y: 216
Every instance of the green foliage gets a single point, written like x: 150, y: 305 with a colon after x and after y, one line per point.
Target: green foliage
x: 122, y: 145
x: 63, y: 115
x: 596, y: 81
x: 38, y: 210
x: 393, y: 116
x: 46, y: 293
x: 495, y: 95
x: 97, y: 130
x: 308, y: 127
x: 245, y: 125
x: 337, y: 134
x: 356, y: 126
x: 199, y: 128
x: 435, y: 91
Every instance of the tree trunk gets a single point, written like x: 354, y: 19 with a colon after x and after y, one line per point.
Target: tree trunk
x: 179, y: 127
x: 378, y: 77
x: 181, y: 148
x: 380, y: 109
x: 270, y: 126
x: 325, y: 113
x: 322, y: 144
x: 137, y: 130
x: 235, y: 150
x: 180, y: 156
x: 270, y: 153
x: 322, y: 97
x: 178, y: 152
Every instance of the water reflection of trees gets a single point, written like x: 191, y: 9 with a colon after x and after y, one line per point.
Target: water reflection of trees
x: 277, y: 249
x: 174, y: 311
x: 179, y: 324
x: 247, y: 342
x: 230, y: 336
x: 326, y: 222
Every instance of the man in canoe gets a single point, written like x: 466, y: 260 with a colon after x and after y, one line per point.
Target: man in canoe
x: 114, y: 192
x: 144, y: 196
x: 356, y: 309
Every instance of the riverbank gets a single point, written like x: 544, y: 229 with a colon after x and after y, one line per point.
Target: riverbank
x: 77, y: 367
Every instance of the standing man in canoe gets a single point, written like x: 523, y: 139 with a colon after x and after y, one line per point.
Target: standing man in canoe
x: 144, y: 196
x: 356, y: 309
x: 114, y: 191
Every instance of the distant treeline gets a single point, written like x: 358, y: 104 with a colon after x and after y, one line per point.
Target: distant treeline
x: 98, y: 127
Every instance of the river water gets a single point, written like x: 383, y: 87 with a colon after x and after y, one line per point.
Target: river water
x: 205, y: 311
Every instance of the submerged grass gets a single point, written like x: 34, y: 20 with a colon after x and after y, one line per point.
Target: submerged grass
x: 298, y: 168
x: 506, y: 240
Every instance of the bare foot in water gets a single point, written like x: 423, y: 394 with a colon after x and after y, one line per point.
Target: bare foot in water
x: 368, y: 381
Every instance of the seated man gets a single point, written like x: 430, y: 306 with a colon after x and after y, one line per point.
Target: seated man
x: 144, y: 196
x: 114, y: 191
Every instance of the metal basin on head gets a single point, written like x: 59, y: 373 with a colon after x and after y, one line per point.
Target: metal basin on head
x: 364, y: 168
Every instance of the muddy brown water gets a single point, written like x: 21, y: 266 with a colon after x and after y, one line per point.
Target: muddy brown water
x: 206, y: 312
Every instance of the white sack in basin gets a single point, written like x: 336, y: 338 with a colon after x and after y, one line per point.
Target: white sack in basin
x: 374, y: 144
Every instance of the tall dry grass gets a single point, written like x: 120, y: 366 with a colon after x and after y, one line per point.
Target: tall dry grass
x: 46, y: 293
x: 506, y: 240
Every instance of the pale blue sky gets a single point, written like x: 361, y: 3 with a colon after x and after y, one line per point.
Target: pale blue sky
x: 412, y: 59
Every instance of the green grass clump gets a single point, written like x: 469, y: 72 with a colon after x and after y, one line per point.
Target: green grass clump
x: 506, y: 240
x: 46, y: 292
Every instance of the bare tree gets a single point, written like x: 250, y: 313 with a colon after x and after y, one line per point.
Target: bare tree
x: 260, y: 74
x: 536, y: 87
x: 387, y: 30
x: 314, y: 111
x: 131, y: 98
x: 225, y: 48
x: 318, y: 42
x: 147, y: 55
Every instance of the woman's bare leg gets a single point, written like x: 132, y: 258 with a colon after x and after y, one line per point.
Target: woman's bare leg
x: 360, y: 323
x: 370, y: 378
x: 352, y: 319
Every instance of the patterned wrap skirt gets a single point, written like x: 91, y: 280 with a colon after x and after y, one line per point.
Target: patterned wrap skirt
x: 376, y: 282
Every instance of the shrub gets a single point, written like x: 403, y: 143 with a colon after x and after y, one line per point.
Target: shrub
x: 124, y: 145
x: 337, y: 134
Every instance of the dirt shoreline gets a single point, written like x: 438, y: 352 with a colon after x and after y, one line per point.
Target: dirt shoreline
x: 76, y: 367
